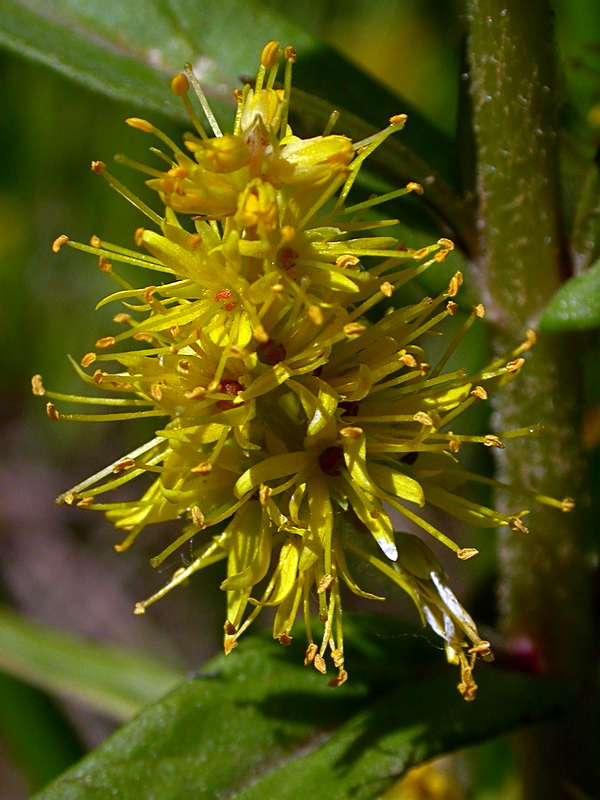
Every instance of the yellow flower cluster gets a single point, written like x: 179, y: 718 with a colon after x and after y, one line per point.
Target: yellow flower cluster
x: 294, y: 426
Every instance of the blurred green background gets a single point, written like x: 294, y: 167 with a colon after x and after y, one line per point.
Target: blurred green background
x: 57, y: 565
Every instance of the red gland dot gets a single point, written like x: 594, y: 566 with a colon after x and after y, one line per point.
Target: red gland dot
x: 331, y: 460
x: 287, y: 258
x: 226, y: 294
x: 228, y: 387
x: 270, y: 353
x: 349, y: 408
x: 409, y: 458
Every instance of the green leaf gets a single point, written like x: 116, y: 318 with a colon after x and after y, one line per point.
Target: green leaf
x: 111, y: 680
x: 35, y: 732
x: 576, y: 305
x: 259, y: 725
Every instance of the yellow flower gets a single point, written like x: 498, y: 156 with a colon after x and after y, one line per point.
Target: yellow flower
x: 293, y: 425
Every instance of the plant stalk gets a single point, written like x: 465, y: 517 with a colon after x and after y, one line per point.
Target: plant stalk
x: 546, y: 576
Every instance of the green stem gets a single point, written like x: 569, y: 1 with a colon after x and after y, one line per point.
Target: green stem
x: 546, y: 579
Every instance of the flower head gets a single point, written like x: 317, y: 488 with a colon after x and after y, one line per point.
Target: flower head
x: 294, y: 425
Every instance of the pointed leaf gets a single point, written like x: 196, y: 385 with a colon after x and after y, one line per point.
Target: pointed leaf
x: 259, y: 725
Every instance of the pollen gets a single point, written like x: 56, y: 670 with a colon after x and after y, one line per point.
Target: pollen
x: 88, y: 359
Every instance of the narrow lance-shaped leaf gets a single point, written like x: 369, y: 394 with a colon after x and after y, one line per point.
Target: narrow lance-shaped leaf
x: 113, y: 681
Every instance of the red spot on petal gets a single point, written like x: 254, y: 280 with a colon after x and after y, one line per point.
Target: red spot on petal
x: 331, y: 460
x: 270, y: 353
x: 287, y: 258
x: 228, y: 387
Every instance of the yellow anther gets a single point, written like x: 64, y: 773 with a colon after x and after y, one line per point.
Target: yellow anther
x: 454, y: 285
x: 465, y: 553
x: 492, y: 441
x: 515, y: 365
x: 52, y: 412
x: 98, y: 167
x: 37, y: 386
x: 138, y: 236
x: 351, y: 432
x: 408, y: 360
x: 105, y: 341
x: 85, y: 502
x: 269, y: 56
x: 260, y: 334
x: 264, y: 493
x: 70, y: 498
x: 288, y: 232
x: 180, y: 84
x: 140, y: 124
x: 88, y: 359
x: 156, y: 391
x: 479, y: 392
x: 347, y: 261
x: 290, y: 54
x: 311, y: 652
x: 398, y: 119
x: 95, y: 241
x: 354, y: 328
x: 324, y: 583
x: 197, y: 393
x: 568, y: 504
x: 121, y: 316
x: 342, y: 677
x: 319, y: 663
x: 415, y: 187
x: 421, y: 253
x: 479, y: 310
x: 104, y: 264
x: 451, y: 308
x: 124, y: 463
x: 423, y: 418
x: 139, y: 608
x: 58, y: 242
x: 315, y: 315
x: 386, y: 288
x: 203, y: 468
x: 197, y: 517
x: 454, y: 443
x: 447, y: 243
x: 516, y: 524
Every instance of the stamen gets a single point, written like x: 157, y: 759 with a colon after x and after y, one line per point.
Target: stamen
x: 100, y: 169
x: 212, y: 120
x: 179, y: 87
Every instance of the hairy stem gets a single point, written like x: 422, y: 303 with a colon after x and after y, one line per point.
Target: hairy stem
x: 546, y: 575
